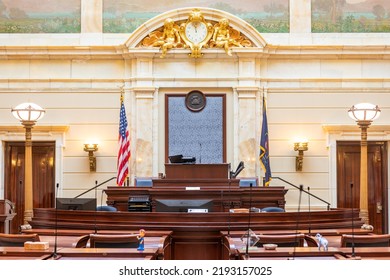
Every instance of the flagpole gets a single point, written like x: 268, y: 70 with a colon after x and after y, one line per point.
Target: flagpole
x: 264, y: 145
x: 124, y: 145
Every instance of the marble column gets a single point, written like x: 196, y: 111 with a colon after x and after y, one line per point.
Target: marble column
x: 247, y: 127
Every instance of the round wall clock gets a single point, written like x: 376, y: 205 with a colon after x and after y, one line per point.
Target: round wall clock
x: 196, y: 32
x: 195, y: 100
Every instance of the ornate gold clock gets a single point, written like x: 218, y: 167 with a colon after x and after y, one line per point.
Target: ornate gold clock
x: 196, y: 32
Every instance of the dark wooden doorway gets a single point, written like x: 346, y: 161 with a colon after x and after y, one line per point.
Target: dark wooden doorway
x: 348, y: 172
x: 43, y: 159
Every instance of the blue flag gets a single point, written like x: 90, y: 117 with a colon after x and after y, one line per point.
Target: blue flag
x: 264, y: 148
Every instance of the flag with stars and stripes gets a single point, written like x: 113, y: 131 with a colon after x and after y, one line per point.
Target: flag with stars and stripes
x: 124, y: 147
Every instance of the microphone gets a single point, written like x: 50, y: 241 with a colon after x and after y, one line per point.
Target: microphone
x: 54, y: 254
x: 352, y: 222
x: 240, y: 167
x: 249, y: 221
x: 230, y: 200
x: 308, y: 191
x: 95, y: 226
x: 101, y: 197
x: 298, y: 217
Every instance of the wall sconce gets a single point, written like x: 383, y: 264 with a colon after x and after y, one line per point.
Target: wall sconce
x: 300, y: 147
x: 90, y: 148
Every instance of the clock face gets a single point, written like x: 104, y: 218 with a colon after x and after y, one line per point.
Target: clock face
x: 196, y: 32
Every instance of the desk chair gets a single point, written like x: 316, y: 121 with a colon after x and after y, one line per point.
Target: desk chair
x: 272, y: 209
x: 370, y: 240
x: 82, y: 241
x: 113, y: 241
x: 246, y: 182
x: 106, y: 208
x: 311, y: 241
x: 282, y: 240
x: 17, y: 240
x: 143, y: 182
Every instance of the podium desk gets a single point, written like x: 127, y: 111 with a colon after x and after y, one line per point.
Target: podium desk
x: 197, y: 171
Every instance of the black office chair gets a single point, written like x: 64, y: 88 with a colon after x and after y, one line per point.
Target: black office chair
x: 311, y: 241
x: 82, y: 242
x: 282, y: 240
x: 113, y: 241
x: 370, y: 240
x: 17, y: 240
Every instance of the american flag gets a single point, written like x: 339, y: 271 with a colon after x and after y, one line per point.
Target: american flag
x: 124, y: 147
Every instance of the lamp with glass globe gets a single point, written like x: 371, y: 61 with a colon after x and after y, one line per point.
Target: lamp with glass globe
x: 364, y: 114
x: 28, y: 114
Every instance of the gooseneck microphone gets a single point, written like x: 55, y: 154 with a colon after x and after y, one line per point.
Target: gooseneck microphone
x: 95, y: 220
x: 249, y: 221
x: 352, y: 222
x: 298, y: 217
x: 308, y: 191
x: 54, y: 255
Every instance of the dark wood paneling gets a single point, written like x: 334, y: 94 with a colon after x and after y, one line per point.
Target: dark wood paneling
x: 43, y: 158
x: 223, y: 197
x: 348, y: 172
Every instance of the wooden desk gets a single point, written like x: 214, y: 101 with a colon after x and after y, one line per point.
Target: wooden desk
x: 223, y: 197
x: 154, y: 239
x: 197, y: 171
x: 19, y: 253
x: 235, y: 248
x: 107, y: 253
x: 290, y: 253
x: 194, y: 235
x: 16, y: 253
x: 380, y: 253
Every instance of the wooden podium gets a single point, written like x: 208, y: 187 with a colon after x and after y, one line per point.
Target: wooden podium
x: 197, y: 171
x: 203, y: 175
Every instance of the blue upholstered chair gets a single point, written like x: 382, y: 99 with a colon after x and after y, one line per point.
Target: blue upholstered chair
x: 143, y: 182
x: 106, y: 208
x: 246, y: 182
x: 272, y: 209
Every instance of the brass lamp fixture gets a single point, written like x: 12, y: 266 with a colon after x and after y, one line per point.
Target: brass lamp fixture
x: 28, y: 114
x: 364, y: 114
x: 300, y: 147
x: 91, y: 148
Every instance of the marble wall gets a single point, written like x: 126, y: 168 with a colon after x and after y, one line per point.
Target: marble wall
x: 310, y: 81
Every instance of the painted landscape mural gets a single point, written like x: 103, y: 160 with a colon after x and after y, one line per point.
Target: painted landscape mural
x: 350, y: 16
x: 40, y: 16
x: 126, y: 15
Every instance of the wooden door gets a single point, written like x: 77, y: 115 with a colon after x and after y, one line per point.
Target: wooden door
x: 43, y: 158
x: 348, y: 172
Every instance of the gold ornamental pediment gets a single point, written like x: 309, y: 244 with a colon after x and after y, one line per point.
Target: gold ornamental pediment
x: 195, y: 33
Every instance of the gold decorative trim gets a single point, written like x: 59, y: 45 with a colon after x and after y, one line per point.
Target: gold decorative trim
x: 196, y: 33
x: 20, y: 129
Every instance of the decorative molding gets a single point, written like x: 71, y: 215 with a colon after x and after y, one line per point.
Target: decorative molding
x: 38, y: 128
x: 336, y: 129
x: 247, y: 92
x: 195, y: 33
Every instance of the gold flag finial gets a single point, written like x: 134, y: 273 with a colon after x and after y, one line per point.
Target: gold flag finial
x: 122, y: 93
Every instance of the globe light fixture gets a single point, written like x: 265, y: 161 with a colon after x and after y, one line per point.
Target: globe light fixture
x: 364, y: 114
x: 28, y: 114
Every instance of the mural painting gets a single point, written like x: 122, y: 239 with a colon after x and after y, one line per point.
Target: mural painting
x: 43, y: 16
x: 269, y: 16
x: 350, y: 16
